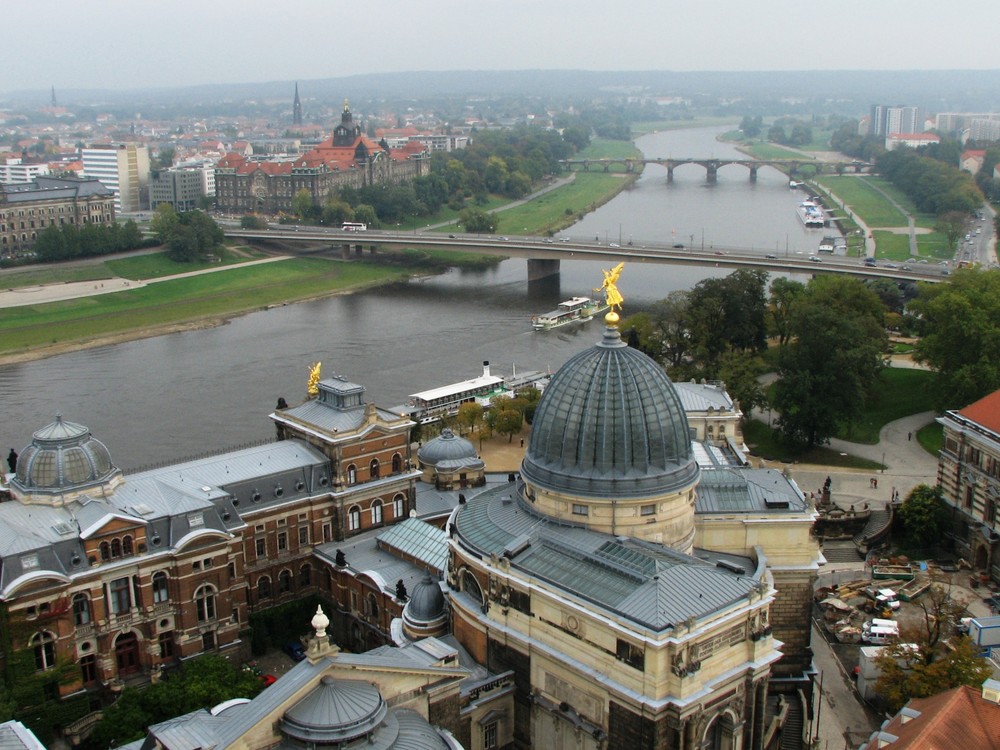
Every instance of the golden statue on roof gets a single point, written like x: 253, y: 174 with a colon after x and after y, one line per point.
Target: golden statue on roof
x: 313, y: 388
x: 612, y: 296
x: 347, y: 107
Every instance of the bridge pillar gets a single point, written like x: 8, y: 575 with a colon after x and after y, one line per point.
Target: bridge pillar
x: 539, y: 268
x: 670, y: 174
x: 753, y: 174
x: 712, y: 174
x: 359, y: 250
x: 372, y: 249
x: 345, y: 251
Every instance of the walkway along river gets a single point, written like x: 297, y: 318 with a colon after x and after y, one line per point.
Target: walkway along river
x: 185, y: 394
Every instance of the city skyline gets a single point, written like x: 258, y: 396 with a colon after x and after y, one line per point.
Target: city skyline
x: 123, y: 45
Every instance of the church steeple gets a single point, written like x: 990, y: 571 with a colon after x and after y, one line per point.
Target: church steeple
x: 297, y: 107
x: 54, y: 96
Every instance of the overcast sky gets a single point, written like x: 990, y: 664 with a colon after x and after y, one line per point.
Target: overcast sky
x: 123, y: 44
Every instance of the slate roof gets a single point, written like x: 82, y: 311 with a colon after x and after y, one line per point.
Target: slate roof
x: 649, y: 584
x: 724, y: 490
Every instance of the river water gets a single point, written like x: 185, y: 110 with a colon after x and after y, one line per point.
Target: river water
x: 182, y: 395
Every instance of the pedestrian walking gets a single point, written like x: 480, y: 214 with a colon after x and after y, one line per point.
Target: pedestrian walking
x: 909, y: 436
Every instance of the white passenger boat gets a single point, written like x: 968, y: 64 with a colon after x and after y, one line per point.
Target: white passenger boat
x: 570, y: 311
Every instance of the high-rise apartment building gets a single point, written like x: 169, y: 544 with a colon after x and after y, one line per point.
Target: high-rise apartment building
x: 886, y: 119
x: 123, y: 168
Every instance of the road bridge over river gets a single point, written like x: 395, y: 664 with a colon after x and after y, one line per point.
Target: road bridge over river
x: 544, y: 254
x: 791, y: 167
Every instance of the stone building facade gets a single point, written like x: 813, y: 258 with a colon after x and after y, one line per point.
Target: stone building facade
x: 969, y: 478
x: 347, y: 159
x: 28, y: 208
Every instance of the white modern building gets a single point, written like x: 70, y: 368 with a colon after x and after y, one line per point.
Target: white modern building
x: 14, y: 172
x: 121, y: 167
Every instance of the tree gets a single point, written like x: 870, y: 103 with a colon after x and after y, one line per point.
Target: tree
x: 469, y: 415
x: 751, y: 126
x: 163, y: 222
x: 508, y: 422
x: 960, y: 336
x: 784, y: 293
x: 475, y: 220
x: 740, y: 371
x: 924, y: 661
x: 924, y: 516
x: 952, y: 225
x: 826, y: 374
x: 776, y: 134
x: 302, y: 204
x: 253, y: 221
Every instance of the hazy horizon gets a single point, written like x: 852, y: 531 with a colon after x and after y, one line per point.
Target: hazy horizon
x: 124, y: 45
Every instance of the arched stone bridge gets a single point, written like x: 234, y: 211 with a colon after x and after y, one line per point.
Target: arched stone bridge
x: 712, y: 166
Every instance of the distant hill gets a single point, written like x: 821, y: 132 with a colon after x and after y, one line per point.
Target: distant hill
x: 937, y: 90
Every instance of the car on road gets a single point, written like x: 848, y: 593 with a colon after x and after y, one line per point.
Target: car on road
x: 678, y: 246
x: 451, y: 236
x: 548, y: 240
x: 294, y: 650
x: 815, y: 259
x: 905, y: 268
x: 564, y: 239
x: 771, y: 256
x: 889, y: 265
x: 504, y: 239
x: 614, y: 244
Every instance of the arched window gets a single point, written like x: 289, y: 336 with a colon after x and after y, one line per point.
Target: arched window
x: 397, y: 463
x: 354, y: 518
x: 81, y: 609
x: 105, y: 551
x: 161, y: 592
x: 471, y: 586
x: 116, y: 548
x: 397, y: 506
x: 377, y: 512
x: 372, y: 606
x: 204, y: 601
x: 88, y: 669
x: 305, y: 575
x: 373, y: 468
x: 352, y: 474
x: 44, y: 646
x: 284, y: 581
x: 127, y: 545
x: 264, y: 587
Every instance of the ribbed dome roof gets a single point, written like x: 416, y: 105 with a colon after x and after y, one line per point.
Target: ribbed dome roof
x: 335, y: 711
x: 62, y: 457
x: 426, y: 602
x: 610, y: 424
x: 446, y: 447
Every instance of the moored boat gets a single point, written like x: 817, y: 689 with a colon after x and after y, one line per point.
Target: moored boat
x: 812, y: 214
x: 569, y: 311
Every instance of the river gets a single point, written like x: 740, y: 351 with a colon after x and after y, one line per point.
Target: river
x: 186, y: 394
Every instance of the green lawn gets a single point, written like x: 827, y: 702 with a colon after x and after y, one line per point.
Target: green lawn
x: 157, y: 265
x: 182, y: 300
x: 931, y: 438
x: 873, y: 207
x: 606, y: 148
x: 892, y: 246
x: 559, y: 208
x: 772, y: 151
x: 901, y: 392
x: 17, y: 278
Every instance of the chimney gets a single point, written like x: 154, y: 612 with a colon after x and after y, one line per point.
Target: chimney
x: 486, y: 369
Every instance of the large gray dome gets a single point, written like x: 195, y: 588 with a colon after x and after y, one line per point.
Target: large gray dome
x: 63, y: 457
x: 610, y: 424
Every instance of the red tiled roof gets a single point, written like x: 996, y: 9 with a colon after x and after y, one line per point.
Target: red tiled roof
x: 985, y: 411
x: 959, y: 717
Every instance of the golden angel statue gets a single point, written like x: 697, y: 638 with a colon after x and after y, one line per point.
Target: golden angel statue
x: 612, y: 296
x: 313, y: 388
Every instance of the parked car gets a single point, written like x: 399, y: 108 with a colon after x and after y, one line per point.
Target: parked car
x: 294, y: 650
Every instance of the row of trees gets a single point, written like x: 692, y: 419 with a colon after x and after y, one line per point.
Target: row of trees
x: 67, y: 242
x: 933, y: 185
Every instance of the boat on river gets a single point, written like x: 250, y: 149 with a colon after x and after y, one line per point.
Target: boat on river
x: 570, y: 311
x: 437, y: 403
x: 811, y: 214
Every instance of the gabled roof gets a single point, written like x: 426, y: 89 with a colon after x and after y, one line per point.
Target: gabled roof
x: 985, y: 411
x: 957, y: 716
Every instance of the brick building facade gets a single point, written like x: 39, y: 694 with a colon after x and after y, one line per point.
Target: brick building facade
x: 346, y: 159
